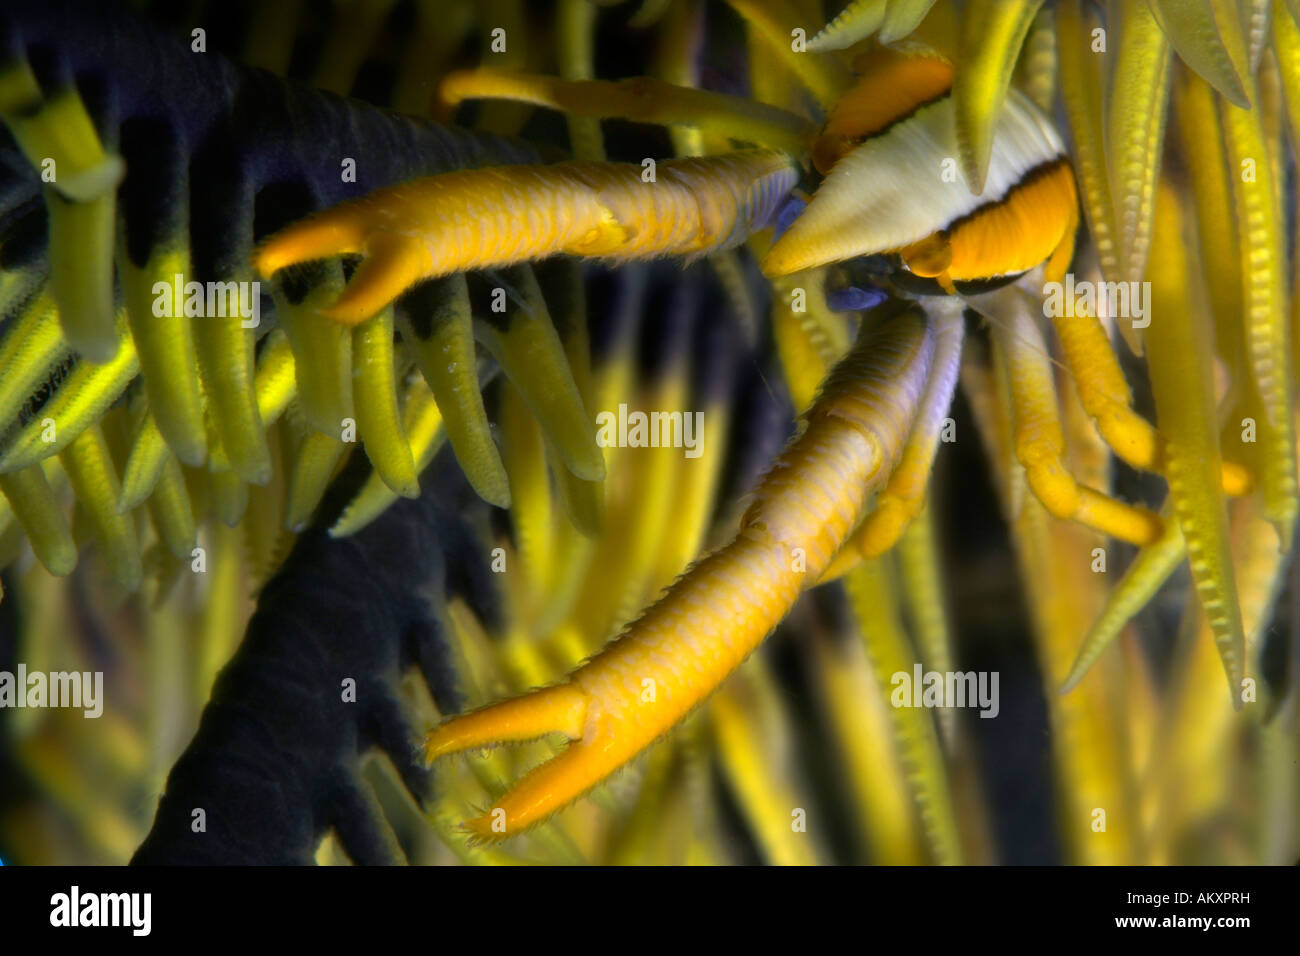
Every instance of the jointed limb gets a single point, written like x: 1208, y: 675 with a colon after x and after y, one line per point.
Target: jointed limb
x: 685, y: 645
x: 1040, y: 442
x: 483, y: 218
x: 1106, y: 397
x: 904, y: 495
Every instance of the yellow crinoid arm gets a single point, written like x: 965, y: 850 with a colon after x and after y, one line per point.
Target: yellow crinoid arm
x: 641, y: 99
x: 1262, y: 251
x: 1040, y: 440
x: 1082, y: 94
x: 1139, y: 93
x: 483, y: 218
x: 772, y: 23
x: 1182, y: 383
x: 682, y: 648
x: 992, y: 32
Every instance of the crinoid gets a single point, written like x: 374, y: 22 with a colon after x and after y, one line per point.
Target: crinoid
x: 900, y: 213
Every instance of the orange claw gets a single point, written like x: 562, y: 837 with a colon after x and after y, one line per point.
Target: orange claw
x: 484, y: 218
x: 683, y: 647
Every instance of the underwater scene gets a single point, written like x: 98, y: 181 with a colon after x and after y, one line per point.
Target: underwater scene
x: 649, y: 432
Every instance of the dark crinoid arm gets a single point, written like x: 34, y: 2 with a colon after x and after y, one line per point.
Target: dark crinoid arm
x: 276, y: 761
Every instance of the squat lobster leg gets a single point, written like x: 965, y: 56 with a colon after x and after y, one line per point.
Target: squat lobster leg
x: 1105, y: 396
x: 483, y: 218
x: 684, y: 646
x: 1040, y: 442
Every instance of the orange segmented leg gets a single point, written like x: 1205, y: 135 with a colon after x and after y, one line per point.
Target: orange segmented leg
x: 678, y: 652
x: 904, y: 495
x: 1106, y: 398
x: 1040, y: 441
x: 483, y: 218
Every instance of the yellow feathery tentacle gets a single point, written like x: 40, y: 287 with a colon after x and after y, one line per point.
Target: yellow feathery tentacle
x: 576, y: 29
x: 992, y: 32
x: 801, y: 361
x: 583, y: 498
x: 1149, y: 571
x: 476, y: 219
x: 421, y: 430
x: 857, y: 710
x: 642, y: 537
x: 164, y: 343
x: 772, y: 22
x: 93, y: 478
x: 1286, y: 51
x: 58, y: 137
x: 1062, y: 592
x: 1135, y: 125
x: 275, y: 383
x: 1265, y: 319
x: 901, y: 18
x: 172, y: 512
x: 379, y: 422
x: 914, y: 732
x: 145, y: 462
x: 1082, y: 92
x: 226, y: 348
x: 920, y: 572
x: 80, y: 400
x: 274, y: 386
x: 32, y: 347
x: 1205, y: 153
x: 677, y: 61
x: 229, y: 496
x: 855, y: 23
x: 712, y: 618
x: 532, y: 509
x: 315, y: 461
x: 35, y: 505
x: 1179, y: 362
x: 1038, y: 65
x: 322, y: 350
x: 640, y: 99
x: 525, y: 343
x: 1207, y: 35
x: 1256, y: 24
x: 696, y: 491
x: 751, y: 734
x: 439, y: 331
